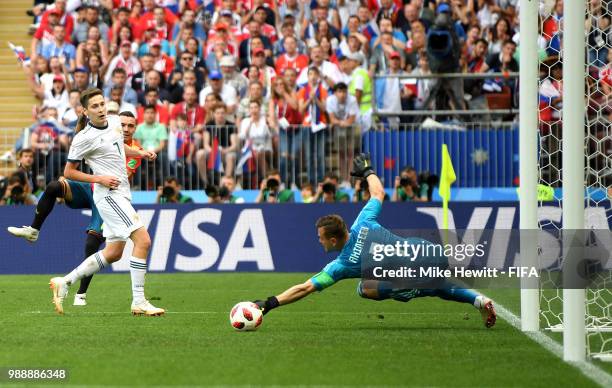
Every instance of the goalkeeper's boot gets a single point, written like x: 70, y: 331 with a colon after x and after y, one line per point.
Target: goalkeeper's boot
x: 80, y: 300
x: 59, y: 288
x: 147, y: 309
x: 26, y: 232
x: 489, y: 316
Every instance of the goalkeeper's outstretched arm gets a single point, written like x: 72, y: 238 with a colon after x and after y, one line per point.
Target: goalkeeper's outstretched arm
x: 292, y: 294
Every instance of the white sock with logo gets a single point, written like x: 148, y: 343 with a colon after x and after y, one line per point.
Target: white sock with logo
x: 138, y: 270
x: 89, y: 266
x: 479, y: 302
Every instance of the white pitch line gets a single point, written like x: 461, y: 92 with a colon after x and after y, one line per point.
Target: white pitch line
x: 587, y: 368
x: 77, y: 312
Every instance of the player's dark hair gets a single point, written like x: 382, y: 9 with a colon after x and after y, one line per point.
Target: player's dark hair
x: 88, y: 94
x: 127, y: 113
x: 150, y: 107
x: 333, y: 226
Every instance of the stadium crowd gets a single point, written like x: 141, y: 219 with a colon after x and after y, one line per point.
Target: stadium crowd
x: 261, y: 91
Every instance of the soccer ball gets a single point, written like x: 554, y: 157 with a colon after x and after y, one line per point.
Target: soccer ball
x: 246, y: 316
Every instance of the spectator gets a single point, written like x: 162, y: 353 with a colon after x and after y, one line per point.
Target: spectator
x: 254, y: 31
x: 307, y: 192
x: 124, y: 60
x: 362, y: 192
x: 287, y: 30
x: 266, y: 73
x: 58, y: 95
x: 271, y: 190
x: 232, y: 77
x: 148, y: 19
x: 151, y: 97
x: 187, y: 62
x: 255, y: 93
x: 179, y: 82
x: 392, y: 93
x: 361, y: 87
x: 120, y: 79
x: 25, y: 163
x: 312, y: 109
x: 408, y: 188
x: 116, y: 95
x: 423, y: 86
x: 63, y: 17
x: 222, y: 133
x: 188, y: 21
x: 138, y: 80
x: 50, y: 142
x: 125, y: 35
x: 161, y: 62
x: 94, y: 72
x: 15, y: 193
x: 501, y: 33
x: 407, y: 17
x: 218, y: 51
x: 70, y: 116
x: 84, y: 51
x: 44, y: 35
x: 329, y: 72
x: 181, y: 149
x: 218, y: 86
x: 254, y: 130
x: 291, y: 57
x: 343, y: 111
x: 229, y: 184
x: 190, y: 108
x: 170, y: 192
x: 59, y: 48
x: 328, y: 191
x: 92, y: 19
x: 153, y: 81
x: 153, y: 136
x: 284, y: 118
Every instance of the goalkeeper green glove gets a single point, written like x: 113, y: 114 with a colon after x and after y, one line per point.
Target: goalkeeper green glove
x: 268, y: 304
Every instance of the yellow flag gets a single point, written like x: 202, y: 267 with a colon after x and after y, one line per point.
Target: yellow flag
x: 447, y: 177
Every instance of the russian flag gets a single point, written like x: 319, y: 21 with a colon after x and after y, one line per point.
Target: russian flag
x: 246, y: 158
x: 214, y: 158
x: 209, y: 6
x: 19, y: 53
x: 370, y: 30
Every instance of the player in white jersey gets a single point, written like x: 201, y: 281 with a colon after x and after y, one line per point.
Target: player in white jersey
x: 100, y: 144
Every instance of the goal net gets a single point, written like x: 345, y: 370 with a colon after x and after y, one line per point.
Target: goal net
x: 598, y: 161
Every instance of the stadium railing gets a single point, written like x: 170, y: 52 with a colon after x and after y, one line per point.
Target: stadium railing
x: 484, y: 155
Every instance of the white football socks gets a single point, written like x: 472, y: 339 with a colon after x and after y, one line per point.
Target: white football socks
x: 138, y: 270
x: 479, y: 302
x: 89, y: 266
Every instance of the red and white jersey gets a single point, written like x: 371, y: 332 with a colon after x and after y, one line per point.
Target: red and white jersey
x: 266, y: 76
x: 130, y: 65
x: 164, y: 64
x: 266, y: 30
x: 298, y: 62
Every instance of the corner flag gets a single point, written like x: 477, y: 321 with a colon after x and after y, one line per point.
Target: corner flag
x: 447, y: 177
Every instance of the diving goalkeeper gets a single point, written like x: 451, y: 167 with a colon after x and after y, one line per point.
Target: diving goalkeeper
x: 335, y: 236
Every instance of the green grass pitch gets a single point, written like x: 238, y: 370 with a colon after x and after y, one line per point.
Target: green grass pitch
x: 331, y: 338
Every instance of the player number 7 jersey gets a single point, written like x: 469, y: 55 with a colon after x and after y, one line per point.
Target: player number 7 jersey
x: 102, y: 149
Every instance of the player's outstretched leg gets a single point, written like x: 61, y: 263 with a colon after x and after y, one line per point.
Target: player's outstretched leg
x: 92, y: 245
x: 381, y: 290
x: 54, y: 190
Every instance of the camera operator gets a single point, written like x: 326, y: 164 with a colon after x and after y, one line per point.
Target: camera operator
x: 444, y: 53
x: 362, y: 192
x: 229, y: 183
x: 16, y: 191
x: 339, y: 195
x: 407, y: 187
x: 170, y: 192
x: 272, y: 191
